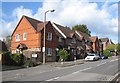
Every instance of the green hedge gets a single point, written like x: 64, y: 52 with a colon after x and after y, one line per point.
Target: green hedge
x: 12, y: 59
x: 19, y: 60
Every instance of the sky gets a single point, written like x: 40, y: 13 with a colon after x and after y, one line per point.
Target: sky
x: 101, y: 18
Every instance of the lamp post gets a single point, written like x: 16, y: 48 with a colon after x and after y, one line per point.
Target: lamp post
x: 44, y: 34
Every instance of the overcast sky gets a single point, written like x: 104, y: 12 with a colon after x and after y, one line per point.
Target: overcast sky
x: 101, y: 18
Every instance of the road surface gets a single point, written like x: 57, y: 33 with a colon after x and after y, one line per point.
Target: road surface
x: 101, y: 70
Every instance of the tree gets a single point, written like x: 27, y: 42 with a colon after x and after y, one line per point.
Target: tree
x: 107, y: 53
x: 8, y: 41
x: 111, y: 47
x: 118, y: 47
x: 83, y: 28
x: 63, y: 54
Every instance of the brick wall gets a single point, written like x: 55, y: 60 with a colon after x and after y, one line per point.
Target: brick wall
x: 33, y: 38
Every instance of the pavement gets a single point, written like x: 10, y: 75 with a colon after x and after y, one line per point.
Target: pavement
x: 67, y: 63
x: 53, y: 64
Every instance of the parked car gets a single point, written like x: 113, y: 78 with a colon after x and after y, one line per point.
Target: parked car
x: 92, y: 57
x: 103, y: 57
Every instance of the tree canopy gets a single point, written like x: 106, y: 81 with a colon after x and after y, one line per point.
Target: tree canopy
x: 111, y: 47
x: 83, y: 28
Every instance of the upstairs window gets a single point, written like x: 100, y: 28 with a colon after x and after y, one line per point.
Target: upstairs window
x: 24, y: 36
x: 17, y: 37
x: 73, y: 40
x: 49, y: 51
x: 49, y: 36
x: 60, y: 39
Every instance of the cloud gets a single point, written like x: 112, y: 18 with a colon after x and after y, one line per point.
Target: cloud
x: 11, y: 25
x: 18, y: 12
x: 101, y: 22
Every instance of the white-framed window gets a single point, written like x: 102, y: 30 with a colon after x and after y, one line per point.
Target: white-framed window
x: 73, y: 40
x: 17, y: 37
x: 49, y: 36
x: 49, y: 51
x: 24, y: 36
x: 60, y: 39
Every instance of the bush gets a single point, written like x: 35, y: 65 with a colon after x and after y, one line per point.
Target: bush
x: 63, y: 54
x: 12, y: 59
x: 31, y: 62
x: 107, y: 53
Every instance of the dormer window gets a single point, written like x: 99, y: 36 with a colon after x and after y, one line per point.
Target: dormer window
x: 24, y: 36
x: 49, y: 36
x: 73, y: 40
x: 17, y: 37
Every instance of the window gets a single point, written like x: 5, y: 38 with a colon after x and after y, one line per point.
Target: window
x: 17, y: 37
x: 73, y: 40
x: 49, y: 51
x: 49, y: 36
x: 60, y: 39
x: 24, y: 36
x: 97, y: 44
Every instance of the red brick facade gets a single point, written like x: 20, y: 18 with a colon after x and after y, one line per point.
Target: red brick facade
x: 34, y: 38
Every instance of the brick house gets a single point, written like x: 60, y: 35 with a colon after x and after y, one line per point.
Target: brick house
x: 69, y: 40
x: 105, y: 42
x: 28, y: 35
x: 87, y: 42
x: 95, y: 45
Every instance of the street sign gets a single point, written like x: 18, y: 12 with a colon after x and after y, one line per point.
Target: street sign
x: 43, y: 49
x: 34, y: 55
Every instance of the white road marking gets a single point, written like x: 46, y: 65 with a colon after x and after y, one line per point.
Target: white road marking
x: 101, y: 64
x: 53, y: 79
x: 75, y: 72
x: 85, y: 69
x: 113, y: 60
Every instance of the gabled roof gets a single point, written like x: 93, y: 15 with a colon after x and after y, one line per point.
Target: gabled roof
x: 66, y: 31
x: 104, y: 39
x: 93, y: 38
x: 58, y: 33
x: 83, y: 35
x: 78, y: 37
x: 36, y: 24
x: 110, y: 42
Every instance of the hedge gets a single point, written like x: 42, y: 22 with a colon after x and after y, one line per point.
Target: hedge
x: 13, y: 59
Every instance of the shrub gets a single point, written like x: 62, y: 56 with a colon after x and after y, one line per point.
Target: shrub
x: 13, y: 59
x: 63, y: 54
x: 31, y: 62
x: 107, y: 53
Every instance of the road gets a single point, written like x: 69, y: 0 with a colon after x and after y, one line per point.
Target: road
x: 101, y: 70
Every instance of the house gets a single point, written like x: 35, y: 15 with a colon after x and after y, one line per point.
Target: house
x: 105, y: 42
x: 28, y: 35
x: 87, y: 41
x: 68, y: 40
x: 3, y: 47
x: 95, y: 44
